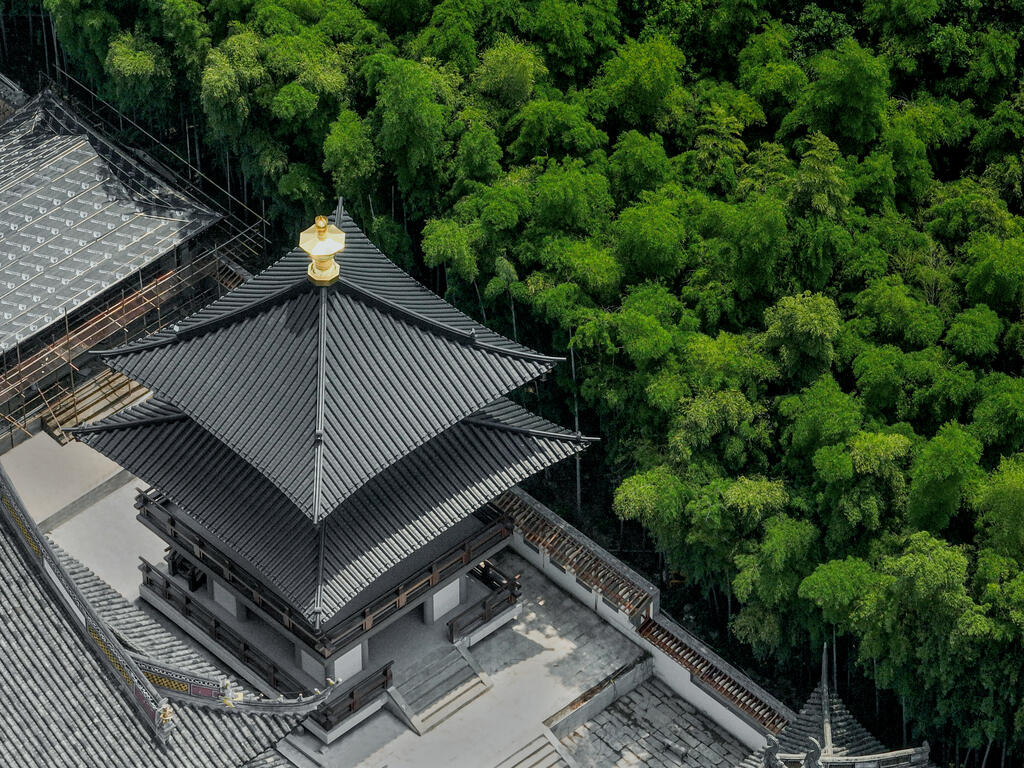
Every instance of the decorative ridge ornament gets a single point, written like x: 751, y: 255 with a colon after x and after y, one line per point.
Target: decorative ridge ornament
x: 322, y: 242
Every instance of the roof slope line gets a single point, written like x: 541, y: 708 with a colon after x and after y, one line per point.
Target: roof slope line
x: 361, y: 291
x: 142, y: 421
x: 430, y: 322
x: 318, y: 460
x: 571, y: 437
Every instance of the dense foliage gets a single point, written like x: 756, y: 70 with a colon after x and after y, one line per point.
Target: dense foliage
x: 784, y: 239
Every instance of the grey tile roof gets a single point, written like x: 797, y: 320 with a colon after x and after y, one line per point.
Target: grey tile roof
x: 849, y: 737
x: 11, y: 96
x: 340, y: 382
x: 58, y: 709
x: 77, y: 216
x: 270, y: 759
x: 140, y: 628
x: 386, y: 520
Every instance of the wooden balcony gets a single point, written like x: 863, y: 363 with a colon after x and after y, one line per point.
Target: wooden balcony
x: 193, y: 610
x: 344, y: 699
x: 160, y: 516
x: 504, y: 593
x: 355, y: 694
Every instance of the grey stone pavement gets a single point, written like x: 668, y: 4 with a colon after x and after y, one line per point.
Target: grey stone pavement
x: 652, y: 726
x: 50, y: 476
x: 98, y: 530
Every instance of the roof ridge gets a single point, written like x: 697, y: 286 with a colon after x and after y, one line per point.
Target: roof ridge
x: 211, y: 323
x: 320, y: 519
x: 408, y: 313
x: 485, y: 419
x: 124, y: 419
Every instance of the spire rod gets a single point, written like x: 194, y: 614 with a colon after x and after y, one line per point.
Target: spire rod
x: 826, y: 704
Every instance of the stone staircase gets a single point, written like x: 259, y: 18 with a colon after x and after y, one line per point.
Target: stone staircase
x: 444, y: 683
x: 540, y: 752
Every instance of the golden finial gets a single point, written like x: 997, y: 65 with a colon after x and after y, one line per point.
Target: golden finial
x: 166, y: 714
x: 322, y: 242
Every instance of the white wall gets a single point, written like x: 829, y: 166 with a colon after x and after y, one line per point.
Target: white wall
x: 223, y: 597
x: 666, y: 668
x: 441, y: 602
x: 311, y: 665
x: 348, y: 664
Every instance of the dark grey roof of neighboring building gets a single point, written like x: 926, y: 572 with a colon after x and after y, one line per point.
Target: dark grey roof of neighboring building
x: 270, y: 759
x: 386, y: 520
x: 849, y: 737
x: 11, y: 96
x: 322, y: 388
x: 58, y: 709
x: 77, y: 216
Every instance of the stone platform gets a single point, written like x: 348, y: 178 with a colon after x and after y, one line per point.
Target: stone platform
x: 652, y: 726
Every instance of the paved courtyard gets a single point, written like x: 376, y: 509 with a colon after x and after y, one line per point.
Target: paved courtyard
x: 86, y: 503
x: 50, y: 476
x: 555, y: 651
x: 652, y: 726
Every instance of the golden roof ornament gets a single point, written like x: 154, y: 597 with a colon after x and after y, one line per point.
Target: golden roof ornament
x: 322, y: 242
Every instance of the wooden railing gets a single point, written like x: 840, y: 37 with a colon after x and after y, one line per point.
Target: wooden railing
x: 359, y: 692
x: 469, y: 551
x: 505, y: 592
x: 572, y: 552
x: 156, y: 515
x: 179, y: 599
x: 159, y: 516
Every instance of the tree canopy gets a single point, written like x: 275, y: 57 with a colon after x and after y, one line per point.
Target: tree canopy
x: 783, y: 242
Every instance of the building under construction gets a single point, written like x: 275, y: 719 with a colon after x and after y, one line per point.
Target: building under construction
x: 96, y: 246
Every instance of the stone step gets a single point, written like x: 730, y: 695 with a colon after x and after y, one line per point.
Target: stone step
x: 537, y: 753
x: 432, y: 689
x: 431, y: 673
x: 409, y: 675
x: 452, y: 702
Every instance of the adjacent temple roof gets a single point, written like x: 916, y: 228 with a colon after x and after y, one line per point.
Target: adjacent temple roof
x: 322, y: 388
x: 77, y: 216
x: 326, y: 433
x: 826, y: 729
x: 60, y: 710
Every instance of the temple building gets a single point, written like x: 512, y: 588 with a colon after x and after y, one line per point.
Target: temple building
x: 338, y: 546
x: 324, y: 444
x: 339, y: 567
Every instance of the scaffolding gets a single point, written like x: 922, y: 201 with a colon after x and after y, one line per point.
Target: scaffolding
x: 48, y: 384
x: 49, y: 381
